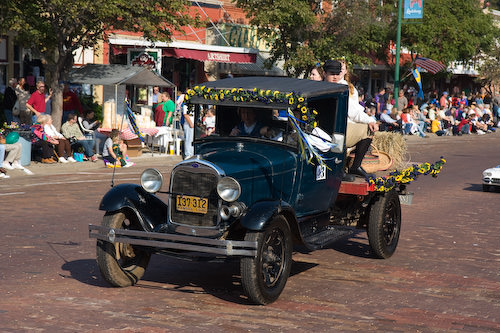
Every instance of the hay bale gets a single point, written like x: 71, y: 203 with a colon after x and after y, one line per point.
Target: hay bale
x: 393, y: 144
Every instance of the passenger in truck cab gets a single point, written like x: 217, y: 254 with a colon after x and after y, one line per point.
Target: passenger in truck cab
x: 249, y: 126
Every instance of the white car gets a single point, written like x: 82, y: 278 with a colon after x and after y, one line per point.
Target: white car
x: 491, y: 178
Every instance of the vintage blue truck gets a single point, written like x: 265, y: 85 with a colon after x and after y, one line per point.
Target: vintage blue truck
x: 250, y: 197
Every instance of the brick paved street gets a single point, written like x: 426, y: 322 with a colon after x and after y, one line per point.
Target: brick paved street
x: 445, y: 275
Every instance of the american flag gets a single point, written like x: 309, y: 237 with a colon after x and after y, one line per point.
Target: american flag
x: 429, y: 65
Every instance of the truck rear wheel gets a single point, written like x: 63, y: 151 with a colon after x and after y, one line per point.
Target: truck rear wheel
x: 384, y: 225
x: 264, y: 277
x: 121, y: 264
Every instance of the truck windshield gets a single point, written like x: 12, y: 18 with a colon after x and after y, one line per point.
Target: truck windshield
x: 244, y: 121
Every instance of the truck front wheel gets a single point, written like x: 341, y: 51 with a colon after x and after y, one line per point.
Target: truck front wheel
x: 264, y: 276
x: 121, y: 264
x: 384, y: 225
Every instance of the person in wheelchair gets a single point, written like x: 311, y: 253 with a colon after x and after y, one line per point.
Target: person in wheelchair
x: 389, y: 124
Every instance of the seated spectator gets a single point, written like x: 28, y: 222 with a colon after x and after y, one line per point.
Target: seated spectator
x: 63, y: 146
x: 436, y: 127
x: 71, y: 131
x: 463, y: 100
x: 42, y: 141
x: 3, y: 172
x: 91, y: 124
x: 488, y: 120
x: 10, y: 157
x: 371, y: 111
x: 114, y: 151
x: 420, y: 119
x: 407, y: 122
x: 477, y: 126
x: 462, y: 126
x: 387, y: 123
x: 432, y: 112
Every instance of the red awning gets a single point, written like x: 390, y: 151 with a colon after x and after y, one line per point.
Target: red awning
x: 202, y: 55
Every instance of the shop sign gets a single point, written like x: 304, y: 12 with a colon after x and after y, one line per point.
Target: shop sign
x: 150, y: 58
x: 241, y: 36
x: 413, y: 9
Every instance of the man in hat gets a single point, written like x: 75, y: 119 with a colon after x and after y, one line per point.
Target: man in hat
x: 359, y: 124
x: 443, y: 101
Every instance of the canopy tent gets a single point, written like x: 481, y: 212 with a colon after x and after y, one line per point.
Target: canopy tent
x: 115, y: 75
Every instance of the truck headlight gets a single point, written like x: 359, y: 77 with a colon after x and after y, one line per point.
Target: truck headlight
x: 228, y: 189
x: 151, y: 180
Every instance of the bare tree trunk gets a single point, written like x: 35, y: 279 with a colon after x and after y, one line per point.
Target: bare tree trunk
x: 57, y: 105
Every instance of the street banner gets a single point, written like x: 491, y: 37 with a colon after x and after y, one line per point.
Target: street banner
x: 418, y: 78
x: 413, y: 9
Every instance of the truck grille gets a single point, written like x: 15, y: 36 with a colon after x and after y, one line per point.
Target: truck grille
x: 201, y: 182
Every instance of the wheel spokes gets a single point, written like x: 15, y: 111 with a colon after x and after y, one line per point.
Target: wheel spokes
x: 272, y: 258
x: 390, y: 224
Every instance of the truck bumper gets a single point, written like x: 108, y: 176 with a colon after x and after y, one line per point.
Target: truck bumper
x: 177, y: 242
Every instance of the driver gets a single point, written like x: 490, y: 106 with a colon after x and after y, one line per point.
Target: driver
x: 249, y: 126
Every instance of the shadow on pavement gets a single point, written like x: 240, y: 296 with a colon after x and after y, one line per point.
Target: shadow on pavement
x: 479, y: 188
x: 85, y: 271
x: 355, y: 245
x: 219, y: 279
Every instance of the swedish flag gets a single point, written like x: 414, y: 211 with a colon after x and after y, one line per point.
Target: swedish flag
x: 418, y: 78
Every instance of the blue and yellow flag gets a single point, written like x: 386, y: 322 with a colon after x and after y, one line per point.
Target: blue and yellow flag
x: 418, y: 78
x: 133, y: 122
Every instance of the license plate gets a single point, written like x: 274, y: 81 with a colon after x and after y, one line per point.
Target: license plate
x: 191, y: 204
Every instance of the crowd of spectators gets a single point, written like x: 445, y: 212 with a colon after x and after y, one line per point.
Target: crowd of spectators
x: 441, y: 114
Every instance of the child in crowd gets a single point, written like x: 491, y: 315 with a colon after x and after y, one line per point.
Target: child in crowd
x: 209, y: 122
x: 114, y: 150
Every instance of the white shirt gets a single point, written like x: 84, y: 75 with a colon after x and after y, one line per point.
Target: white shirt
x: 209, y: 122
x: 51, y: 131
x: 386, y: 118
x: 356, y: 112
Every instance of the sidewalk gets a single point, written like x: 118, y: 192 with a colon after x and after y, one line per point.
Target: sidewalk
x: 40, y: 169
x: 157, y: 160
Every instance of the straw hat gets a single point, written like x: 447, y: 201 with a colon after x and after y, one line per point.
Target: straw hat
x: 376, y: 161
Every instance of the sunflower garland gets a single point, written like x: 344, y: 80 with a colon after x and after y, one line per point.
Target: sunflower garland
x: 406, y: 176
x: 293, y: 100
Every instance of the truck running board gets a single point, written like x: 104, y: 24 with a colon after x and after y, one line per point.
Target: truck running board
x: 329, y: 235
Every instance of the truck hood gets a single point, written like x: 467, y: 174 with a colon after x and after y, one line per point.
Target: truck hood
x: 263, y: 171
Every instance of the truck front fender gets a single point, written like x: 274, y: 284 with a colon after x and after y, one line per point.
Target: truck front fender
x: 260, y: 214
x: 149, y: 209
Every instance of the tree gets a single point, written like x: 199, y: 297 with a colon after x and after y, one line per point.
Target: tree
x: 449, y: 31
x: 55, y: 29
x: 301, y: 34
x: 489, y: 71
x: 283, y: 24
x: 354, y: 30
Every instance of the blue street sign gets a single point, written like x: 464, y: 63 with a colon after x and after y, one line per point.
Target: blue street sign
x: 414, y: 9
